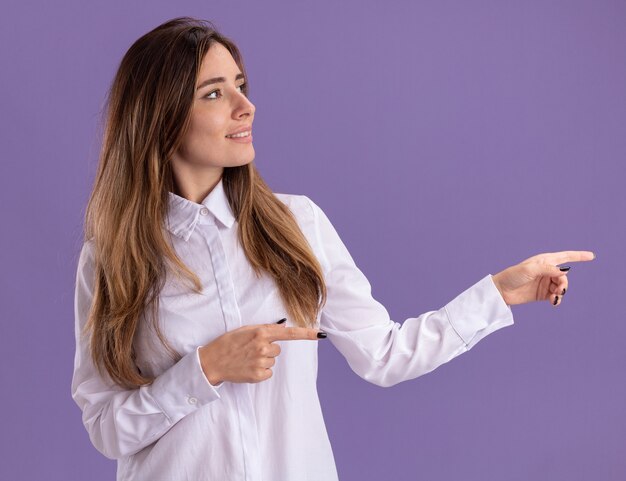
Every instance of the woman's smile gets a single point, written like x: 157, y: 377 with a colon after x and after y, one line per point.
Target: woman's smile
x: 244, y: 137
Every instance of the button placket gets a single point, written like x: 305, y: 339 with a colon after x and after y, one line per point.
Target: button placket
x: 232, y: 317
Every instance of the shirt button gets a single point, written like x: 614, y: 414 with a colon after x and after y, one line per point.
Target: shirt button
x: 192, y: 400
x: 204, y: 211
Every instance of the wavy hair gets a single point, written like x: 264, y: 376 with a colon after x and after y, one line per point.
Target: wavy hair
x: 148, y: 111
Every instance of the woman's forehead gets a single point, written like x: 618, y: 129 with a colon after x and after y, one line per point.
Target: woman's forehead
x: 218, y: 62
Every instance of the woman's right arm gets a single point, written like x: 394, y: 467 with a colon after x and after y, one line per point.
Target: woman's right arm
x: 120, y: 421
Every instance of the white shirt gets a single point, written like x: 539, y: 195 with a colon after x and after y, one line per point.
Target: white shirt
x: 182, y: 428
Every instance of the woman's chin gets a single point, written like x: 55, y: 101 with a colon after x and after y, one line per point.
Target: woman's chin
x: 244, y: 161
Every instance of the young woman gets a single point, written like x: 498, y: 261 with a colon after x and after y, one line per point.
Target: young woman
x: 201, y: 294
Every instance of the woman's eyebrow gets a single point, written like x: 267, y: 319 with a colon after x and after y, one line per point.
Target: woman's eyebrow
x: 216, y: 80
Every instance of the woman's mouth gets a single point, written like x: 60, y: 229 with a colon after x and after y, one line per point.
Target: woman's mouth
x: 242, y: 137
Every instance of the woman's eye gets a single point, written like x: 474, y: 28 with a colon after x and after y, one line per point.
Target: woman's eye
x: 218, y: 91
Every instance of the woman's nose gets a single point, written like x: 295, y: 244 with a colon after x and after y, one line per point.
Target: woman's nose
x: 245, y: 106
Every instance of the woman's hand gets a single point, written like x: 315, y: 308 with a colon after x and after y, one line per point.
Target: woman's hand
x: 538, y: 278
x: 246, y: 354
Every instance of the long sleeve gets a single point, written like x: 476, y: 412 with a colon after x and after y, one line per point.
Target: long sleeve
x: 385, y: 352
x: 121, y: 422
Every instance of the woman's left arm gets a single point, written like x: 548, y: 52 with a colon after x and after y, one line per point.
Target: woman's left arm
x: 385, y: 352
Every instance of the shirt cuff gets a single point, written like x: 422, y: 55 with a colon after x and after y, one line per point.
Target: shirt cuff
x: 216, y: 386
x: 183, y: 388
x: 478, y: 311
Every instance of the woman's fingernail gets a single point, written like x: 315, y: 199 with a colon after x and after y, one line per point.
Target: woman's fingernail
x: 556, y: 299
x: 564, y: 268
x: 282, y: 320
x: 321, y: 335
x: 564, y: 291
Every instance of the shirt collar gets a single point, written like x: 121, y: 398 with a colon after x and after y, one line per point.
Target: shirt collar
x: 184, y: 215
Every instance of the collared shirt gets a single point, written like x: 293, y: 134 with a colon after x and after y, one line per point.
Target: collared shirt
x: 181, y: 427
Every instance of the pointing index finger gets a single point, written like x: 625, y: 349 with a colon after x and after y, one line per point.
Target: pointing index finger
x: 571, y: 256
x: 292, y: 334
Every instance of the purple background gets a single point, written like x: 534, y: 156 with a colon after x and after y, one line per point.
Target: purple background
x: 445, y: 140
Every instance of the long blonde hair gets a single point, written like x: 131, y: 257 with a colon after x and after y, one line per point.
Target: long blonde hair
x: 148, y: 112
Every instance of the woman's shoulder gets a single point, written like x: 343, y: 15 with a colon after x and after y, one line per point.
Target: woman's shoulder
x: 305, y: 212
x: 300, y: 204
x: 88, y: 247
x: 314, y: 224
x: 85, y: 256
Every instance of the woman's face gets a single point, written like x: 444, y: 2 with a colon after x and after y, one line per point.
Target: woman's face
x: 219, y: 108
